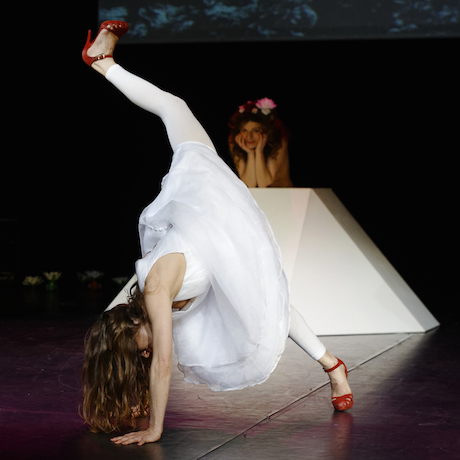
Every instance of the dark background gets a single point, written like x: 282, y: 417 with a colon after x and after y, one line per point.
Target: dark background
x: 375, y: 120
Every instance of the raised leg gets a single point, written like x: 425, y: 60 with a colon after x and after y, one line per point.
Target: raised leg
x: 181, y: 125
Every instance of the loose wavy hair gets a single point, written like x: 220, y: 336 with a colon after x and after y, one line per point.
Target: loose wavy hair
x: 115, y: 374
x: 271, y: 124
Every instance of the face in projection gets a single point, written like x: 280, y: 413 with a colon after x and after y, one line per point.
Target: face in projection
x: 251, y: 132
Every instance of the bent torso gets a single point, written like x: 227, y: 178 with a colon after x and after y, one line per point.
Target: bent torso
x: 180, y: 303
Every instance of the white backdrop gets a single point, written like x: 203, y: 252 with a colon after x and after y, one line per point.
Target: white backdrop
x: 340, y: 281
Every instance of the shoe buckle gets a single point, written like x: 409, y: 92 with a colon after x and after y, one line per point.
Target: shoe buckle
x: 100, y: 57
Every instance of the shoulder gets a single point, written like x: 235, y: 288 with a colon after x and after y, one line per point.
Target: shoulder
x: 282, y: 153
x: 240, y: 163
x: 168, y: 272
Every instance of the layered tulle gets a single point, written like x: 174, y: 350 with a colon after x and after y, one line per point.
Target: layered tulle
x: 234, y: 333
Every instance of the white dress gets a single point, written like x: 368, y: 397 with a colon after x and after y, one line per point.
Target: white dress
x: 234, y: 331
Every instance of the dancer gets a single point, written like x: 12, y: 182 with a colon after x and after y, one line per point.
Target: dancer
x: 258, y: 145
x: 210, y: 280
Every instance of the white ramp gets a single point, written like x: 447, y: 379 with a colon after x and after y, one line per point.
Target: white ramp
x: 122, y: 296
x: 340, y: 281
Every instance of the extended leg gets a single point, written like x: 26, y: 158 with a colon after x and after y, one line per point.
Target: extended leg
x: 303, y: 336
x: 181, y: 125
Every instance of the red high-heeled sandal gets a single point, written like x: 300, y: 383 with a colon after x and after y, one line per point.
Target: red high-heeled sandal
x: 119, y: 31
x: 344, y: 402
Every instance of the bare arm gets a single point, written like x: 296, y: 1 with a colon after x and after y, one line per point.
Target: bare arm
x: 246, y: 169
x: 159, y: 309
x: 162, y: 285
x: 264, y: 176
x: 275, y: 168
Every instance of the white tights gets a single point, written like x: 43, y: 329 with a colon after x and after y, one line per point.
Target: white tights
x: 182, y: 126
x: 304, y: 337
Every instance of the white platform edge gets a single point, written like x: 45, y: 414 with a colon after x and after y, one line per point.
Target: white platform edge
x: 287, y: 211
x: 378, y: 260
x: 340, y: 281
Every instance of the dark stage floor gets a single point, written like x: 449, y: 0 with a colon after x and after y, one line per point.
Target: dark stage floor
x: 405, y: 387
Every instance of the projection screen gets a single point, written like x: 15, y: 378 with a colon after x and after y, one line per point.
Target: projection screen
x: 174, y: 21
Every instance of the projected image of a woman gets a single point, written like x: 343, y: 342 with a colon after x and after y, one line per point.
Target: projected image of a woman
x: 210, y: 280
x: 258, y: 145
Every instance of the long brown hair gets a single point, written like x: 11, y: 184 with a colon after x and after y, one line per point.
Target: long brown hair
x: 115, y: 375
x: 271, y: 124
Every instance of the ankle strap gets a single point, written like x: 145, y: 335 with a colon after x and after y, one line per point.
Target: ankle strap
x: 99, y: 57
x: 335, y: 367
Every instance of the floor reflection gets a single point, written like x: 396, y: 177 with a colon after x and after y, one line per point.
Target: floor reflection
x: 404, y: 400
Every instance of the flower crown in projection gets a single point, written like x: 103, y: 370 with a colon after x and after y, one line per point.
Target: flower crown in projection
x: 265, y: 105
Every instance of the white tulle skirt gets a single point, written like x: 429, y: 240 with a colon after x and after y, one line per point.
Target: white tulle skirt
x: 233, y: 334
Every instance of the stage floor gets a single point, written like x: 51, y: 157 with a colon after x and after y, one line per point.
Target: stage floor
x: 405, y: 388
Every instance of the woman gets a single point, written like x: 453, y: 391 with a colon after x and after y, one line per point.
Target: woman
x: 258, y: 144
x: 208, y: 253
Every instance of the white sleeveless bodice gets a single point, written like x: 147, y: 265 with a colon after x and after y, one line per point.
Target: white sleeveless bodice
x: 196, y: 279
